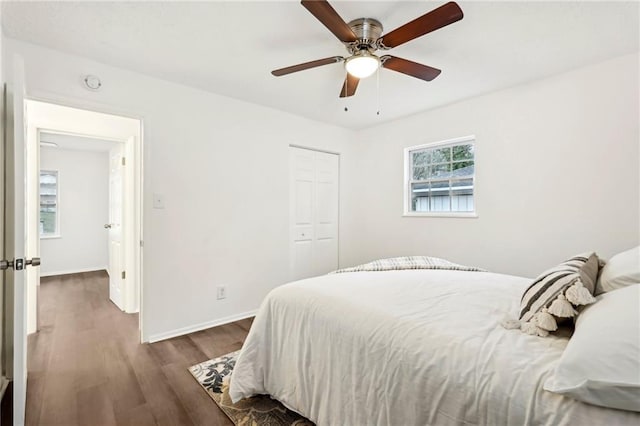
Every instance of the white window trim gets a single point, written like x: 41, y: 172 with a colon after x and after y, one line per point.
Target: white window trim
x: 406, y: 180
x: 57, y: 234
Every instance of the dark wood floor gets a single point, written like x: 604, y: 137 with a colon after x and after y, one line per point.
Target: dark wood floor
x: 86, y: 366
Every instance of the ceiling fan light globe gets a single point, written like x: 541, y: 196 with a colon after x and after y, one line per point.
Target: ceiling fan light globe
x: 362, y: 65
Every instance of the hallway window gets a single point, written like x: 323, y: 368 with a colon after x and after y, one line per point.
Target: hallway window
x: 49, y: 213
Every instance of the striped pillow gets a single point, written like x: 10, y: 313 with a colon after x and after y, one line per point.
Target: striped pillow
x: 557, y: 292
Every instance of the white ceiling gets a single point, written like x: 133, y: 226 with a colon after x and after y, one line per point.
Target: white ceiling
x: 230, y: 48
x: 77, y: 143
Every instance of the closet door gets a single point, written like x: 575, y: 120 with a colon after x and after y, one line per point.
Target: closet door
x: 313, y: 212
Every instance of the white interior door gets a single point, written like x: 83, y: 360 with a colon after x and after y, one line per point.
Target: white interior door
x: 32, y: 275
x: 15, y: 312
x: 325, y: 241
x: 313, y: 212
x: 4, y: 379
x: 116, y: 252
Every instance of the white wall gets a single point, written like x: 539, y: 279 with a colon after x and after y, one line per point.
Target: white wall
x: 557, y: 166
x: 214, y: 159
x: 557, y: 173
x: 84, y: 209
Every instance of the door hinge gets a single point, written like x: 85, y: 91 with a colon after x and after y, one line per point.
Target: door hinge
x: 124, y: 275
x: 123, y: 161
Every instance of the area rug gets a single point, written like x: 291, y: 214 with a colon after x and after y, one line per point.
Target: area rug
x: 260, y: 410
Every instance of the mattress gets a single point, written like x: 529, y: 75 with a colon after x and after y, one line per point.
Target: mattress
x: 411, y: 347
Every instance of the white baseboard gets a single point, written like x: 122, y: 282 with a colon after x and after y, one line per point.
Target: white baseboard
x: 202, y: 326
x: 73, y: 271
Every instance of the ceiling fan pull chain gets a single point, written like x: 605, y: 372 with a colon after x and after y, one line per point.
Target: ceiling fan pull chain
x: 378, y: 91
x: 346, y: 99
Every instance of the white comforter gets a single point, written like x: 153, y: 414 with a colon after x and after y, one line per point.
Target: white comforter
x: 416, y: 347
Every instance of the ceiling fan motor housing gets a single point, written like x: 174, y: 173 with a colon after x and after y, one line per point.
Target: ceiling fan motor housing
x: 368, y: 31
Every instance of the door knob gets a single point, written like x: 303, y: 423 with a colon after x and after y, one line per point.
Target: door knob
x: 33, y: 262
x: 18, y: 264
x: 107, y: 225
x: 6, y: 264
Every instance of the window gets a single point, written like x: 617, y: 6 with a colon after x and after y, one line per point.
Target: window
x: 439, y: 178
x: 49, y: 212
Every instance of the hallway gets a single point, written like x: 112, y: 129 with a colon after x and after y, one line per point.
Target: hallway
x: 86, y: 366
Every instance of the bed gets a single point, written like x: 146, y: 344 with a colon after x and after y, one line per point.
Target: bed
x: 410, y: 347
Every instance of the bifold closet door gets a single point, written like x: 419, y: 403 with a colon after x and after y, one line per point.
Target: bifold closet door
x: 313, y: 212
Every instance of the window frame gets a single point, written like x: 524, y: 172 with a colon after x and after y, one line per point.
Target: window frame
x: 407, y: 180
x: 57, y: 233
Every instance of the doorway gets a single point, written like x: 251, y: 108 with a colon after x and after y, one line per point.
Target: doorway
x: 19, y: 165
x: 80, y: 204
x: 119, y: 141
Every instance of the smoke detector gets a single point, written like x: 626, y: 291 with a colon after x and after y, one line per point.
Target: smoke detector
x: 91, y: 82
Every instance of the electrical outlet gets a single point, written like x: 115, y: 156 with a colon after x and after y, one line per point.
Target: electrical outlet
x: 222, y: 292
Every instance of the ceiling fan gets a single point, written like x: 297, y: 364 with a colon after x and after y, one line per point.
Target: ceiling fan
x: 363, y: 37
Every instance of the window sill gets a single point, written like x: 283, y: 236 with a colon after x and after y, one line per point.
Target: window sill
x: 443, y: 214
x: 50, y: 237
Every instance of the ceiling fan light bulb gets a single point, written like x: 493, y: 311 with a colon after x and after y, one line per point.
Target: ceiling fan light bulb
x: 362, y: 65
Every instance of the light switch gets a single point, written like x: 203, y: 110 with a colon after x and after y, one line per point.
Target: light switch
x: 158, y: 201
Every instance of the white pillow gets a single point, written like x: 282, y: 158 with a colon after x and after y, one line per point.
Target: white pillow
x: 621, y: 270
x: 601, y: 363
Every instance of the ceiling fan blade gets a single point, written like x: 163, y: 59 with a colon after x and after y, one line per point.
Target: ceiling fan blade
x: 414, y: 69
x: 307, y: 65
x: 326, y: 14
x: 349, y: 87
x: 431, y: 21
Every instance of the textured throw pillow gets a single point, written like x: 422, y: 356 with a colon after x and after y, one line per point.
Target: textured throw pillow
x: 557, y: 292
x: 621, y: 270
x: 601, y: 363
